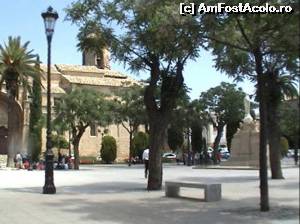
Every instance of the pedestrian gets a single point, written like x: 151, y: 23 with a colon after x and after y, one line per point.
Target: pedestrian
x: 296, y: 156
x: 19, y: 161
x: 146, y: 161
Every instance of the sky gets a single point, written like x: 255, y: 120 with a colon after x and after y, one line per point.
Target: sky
x: 23, y: 18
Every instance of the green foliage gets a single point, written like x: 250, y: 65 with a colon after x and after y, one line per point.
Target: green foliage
x: 59, y: 142
x: 108, y: 149
x: 225, y: 101
x: 198, y: 118
x: 231, y: 129
x: 78, y: 110
x: 197, y: 138
x: 284, y: 144
x: 36, y: 120
x: 130, y: 107
x: 238, y: 39
x: 175, y: 137
x: 140, y: 142
x: 81, y: 108
x: 16, y: 65
x: 129, y: 110
x: 147, y: 36
x: 289, y: 122
x: 225, y: 105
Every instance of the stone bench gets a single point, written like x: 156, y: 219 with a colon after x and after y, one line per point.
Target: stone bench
x: 212, y: 192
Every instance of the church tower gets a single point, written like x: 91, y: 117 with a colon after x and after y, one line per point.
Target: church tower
x: 101, y: 61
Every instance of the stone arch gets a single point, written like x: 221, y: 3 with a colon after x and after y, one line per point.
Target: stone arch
x: 17, y: 124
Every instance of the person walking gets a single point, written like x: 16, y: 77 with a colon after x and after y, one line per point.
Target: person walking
x: 146, y: 161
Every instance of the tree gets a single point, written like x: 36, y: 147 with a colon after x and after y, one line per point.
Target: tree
x: 179, y: 123
x: 231, y: 129
x: 140, y: 142
x: 16, y: 66
x: 225, y: 105
x: 254, y: 47
x: 130, y: 112
x: 289, y: 123
x: 198, y: 118
x: 279, y: 87
x: 59, y: 142
x: 175, y: 137
x: 151, y: 36
x: 108, y: 149
x: 36, y: 119
x: 80, y: 109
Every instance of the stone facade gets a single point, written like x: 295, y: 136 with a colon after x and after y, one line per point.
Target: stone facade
x: 64, y: 78
x: 245, y: 146
x: 3, y: 160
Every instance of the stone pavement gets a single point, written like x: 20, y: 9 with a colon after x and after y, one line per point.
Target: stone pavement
x: 115, y: 194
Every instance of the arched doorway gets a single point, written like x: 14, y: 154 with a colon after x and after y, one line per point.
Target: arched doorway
x: 3, y: 140
x: 16, y: 124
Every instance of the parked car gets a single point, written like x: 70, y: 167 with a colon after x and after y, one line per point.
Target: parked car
x: 291, y: 153
x: 169, y: 155
x: 225, y: 154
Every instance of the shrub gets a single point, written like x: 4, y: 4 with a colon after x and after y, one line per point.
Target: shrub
x: 284, y: 144
x: 108, y: 149
x: 140, y: 141
x: 58, y: 141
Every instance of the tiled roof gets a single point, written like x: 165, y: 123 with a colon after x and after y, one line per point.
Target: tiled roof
x: 89, y: 69
x: 53, y: 69
x: 78, y: 68
x: 99, y: 81
x: 89, y: 75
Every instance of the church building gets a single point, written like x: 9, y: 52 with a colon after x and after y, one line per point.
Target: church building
x: 94, y: 73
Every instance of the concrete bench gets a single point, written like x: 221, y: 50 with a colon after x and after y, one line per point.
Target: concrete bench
x: 212, y: 192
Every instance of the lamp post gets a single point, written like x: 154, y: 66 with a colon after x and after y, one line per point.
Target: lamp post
x: 50, y: 18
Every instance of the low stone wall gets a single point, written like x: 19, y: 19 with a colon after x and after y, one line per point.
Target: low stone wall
x: 3, y: 161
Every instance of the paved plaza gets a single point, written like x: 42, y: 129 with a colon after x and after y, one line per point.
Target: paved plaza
x: 115, y: 194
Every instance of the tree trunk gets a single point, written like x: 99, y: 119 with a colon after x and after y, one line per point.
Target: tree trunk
x: 274, y: 143
x: 130, y: 148
x: 158, y: 126
x: 11, y: 86
x: 76, y: 154
x: 220, y: 128
x: 273, y: 125
x: 10, y: 138
x: 77, y: 134
x: 159, y: 114
x: 263, y: 168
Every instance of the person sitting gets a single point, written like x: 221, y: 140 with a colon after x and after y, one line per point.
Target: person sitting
x: 19, y: 161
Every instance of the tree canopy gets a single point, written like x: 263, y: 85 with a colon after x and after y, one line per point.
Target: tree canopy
x: 151, y: 36
x: 225, y: 105
x: 80, y: 109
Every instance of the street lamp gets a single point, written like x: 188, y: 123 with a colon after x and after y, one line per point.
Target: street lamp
x: 50, y: 18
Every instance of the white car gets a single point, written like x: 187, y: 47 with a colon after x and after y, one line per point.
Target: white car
x: 291, y: 153
x: 169, y: 155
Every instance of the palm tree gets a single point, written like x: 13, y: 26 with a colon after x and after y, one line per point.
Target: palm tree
x: 16, y: 66
x: 279, y: 87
